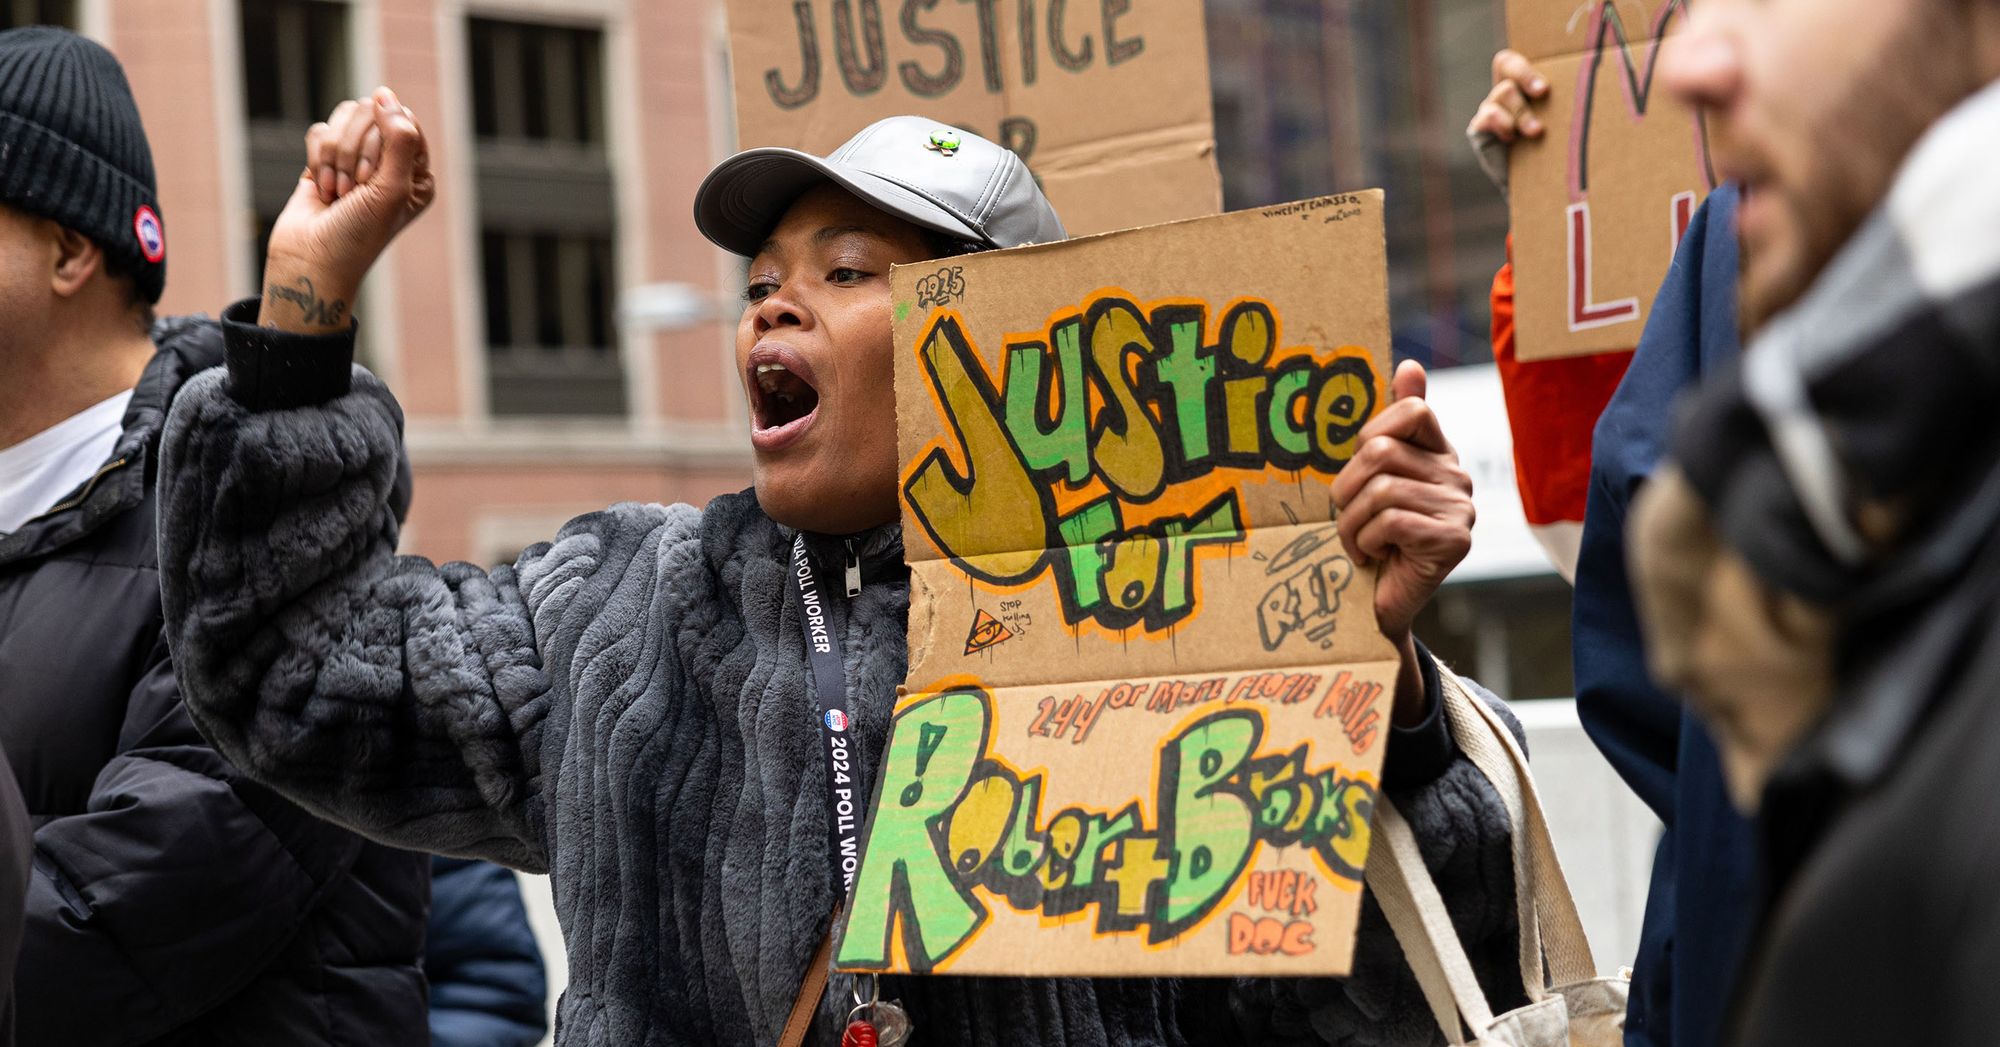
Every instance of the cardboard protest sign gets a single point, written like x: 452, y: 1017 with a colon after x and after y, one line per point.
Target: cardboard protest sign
x: 1107, y: 100
x: 1600, y: 201
x: 1147, y: 701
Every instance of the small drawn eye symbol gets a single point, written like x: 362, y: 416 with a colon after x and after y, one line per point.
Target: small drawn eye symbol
x: 986, y: 631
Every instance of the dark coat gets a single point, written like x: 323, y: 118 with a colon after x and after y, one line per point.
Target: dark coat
x: 488, y: 988
x: 173, y: 901
x: 17, y: 843
x: 1702, y: 897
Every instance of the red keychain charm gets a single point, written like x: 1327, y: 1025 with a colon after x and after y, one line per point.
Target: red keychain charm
x: 859, y: 1034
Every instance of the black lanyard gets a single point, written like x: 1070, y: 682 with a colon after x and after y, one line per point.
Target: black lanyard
x: 843, y: 805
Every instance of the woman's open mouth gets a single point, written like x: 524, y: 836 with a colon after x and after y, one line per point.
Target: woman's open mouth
x: 783, y: 401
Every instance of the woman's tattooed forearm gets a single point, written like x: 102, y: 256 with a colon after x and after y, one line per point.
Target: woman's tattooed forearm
x: 312, y: 308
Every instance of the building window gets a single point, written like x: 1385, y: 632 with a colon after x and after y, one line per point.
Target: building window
x: 294, y: 60
x: 537, y: 82
x: 1324, y: 96
x: 295, y: 70
x: 17, y: 13
x: 547, y: 219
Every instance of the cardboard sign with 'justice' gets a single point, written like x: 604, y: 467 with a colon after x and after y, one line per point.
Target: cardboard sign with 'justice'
x: 1600, y: 201
x: 1107, y: 100
x: 1147, y: 703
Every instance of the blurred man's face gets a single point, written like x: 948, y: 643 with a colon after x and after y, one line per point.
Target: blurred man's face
x: 1812, y: 105
x: 24, y: 277
x: 814, y: 350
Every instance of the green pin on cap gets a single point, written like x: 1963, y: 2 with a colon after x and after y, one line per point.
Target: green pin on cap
x: 943, y: 140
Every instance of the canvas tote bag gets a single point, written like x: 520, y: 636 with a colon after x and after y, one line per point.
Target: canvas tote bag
x: 1568, y: 1005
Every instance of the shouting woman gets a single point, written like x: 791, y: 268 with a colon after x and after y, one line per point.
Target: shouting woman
x: 630, y: 706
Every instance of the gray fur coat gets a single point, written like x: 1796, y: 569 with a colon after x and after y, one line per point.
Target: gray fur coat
x: 628, y: 708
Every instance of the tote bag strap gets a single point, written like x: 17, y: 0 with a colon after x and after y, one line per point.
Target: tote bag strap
x: 1422, y: 926
x: 1475, y: 738
x: 812, y: 988
x: 1545, y: 901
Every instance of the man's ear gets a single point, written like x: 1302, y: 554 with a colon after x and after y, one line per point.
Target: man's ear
x: 76, y: 259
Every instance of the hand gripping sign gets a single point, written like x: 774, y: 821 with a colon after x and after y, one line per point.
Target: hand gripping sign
x: 1144, y: 723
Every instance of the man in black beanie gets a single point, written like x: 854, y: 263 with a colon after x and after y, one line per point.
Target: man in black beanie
x: 172, y: 901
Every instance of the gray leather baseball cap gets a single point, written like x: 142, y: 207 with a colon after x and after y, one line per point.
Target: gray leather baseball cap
x: 929, y: 173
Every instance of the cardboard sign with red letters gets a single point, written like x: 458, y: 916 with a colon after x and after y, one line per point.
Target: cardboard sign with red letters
x: 1600, y: 201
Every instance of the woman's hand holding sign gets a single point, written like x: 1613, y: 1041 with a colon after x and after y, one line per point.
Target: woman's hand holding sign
x: 1405, y: 501
x: 1507, y: 113
x: 367, y: 176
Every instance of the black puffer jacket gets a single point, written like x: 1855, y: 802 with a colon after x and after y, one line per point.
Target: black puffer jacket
x: 16, y: 843
x: 172, y: 901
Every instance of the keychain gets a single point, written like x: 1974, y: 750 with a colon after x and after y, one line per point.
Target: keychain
x: 875, y: 1022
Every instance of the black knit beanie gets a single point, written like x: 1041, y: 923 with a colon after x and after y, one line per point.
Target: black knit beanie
x: 72, y: 149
